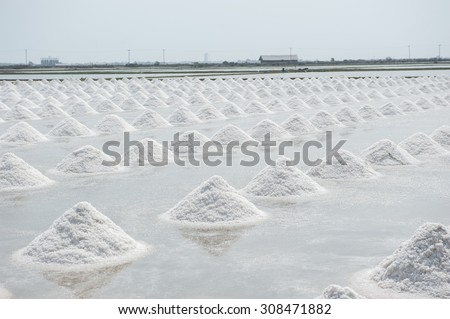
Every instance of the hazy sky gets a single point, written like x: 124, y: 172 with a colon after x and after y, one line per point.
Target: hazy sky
x: 103, y: 30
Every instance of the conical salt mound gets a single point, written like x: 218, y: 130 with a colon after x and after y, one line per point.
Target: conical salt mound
x: 16, y: 174
x: 338, y: 292
x: 70, y: 127
x: 425, y: 104
x: 324, y: 120
x: 80, y: 108
x: 232, y: 110
x: 295, y: 103
x: 231, y: 133
x: 50, y: 110
x: 420, y: 265
x: 214, y: 204
x: 281, y: 180
x: 131, y: 104
x: 19, y: 112
x: 369, y: 112
x: 150, y: 119
x: 442, y: 135
x: 298, y: 124
x: 183, y: 115
x: 421, y: 145
x: 348, y: 117
x: 82, y: 236
x: 387, y: 153
x: 86, y: 160
x: 256, y: 107
x: 208, y: 113
x: 22, y: 133
x: 196, y: 137
x: 114, y: 124
x: 107, y: 106
x: 268, y: 127
x: 276, y: 105
x: 158, y: 155
x: 408, y: 106
x: 439, y: 101
x: 390, y: 109
x: 352, y: 168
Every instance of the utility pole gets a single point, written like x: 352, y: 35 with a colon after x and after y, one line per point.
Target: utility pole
x: 290, y: 54
x: 129, y: 52
x: 26, y: 56
x: 439, y: 51
x: 409, y: 52
x: 164, y: 56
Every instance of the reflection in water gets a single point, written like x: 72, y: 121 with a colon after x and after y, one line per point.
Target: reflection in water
x: 215, y: 241
x: 84, y: 284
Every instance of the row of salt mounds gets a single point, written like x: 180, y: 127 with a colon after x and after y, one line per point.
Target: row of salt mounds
x: 231, y: 133
x: 22, y: 133
x: 298, y: 124
x: 442, y: 135
x: 16, y: 174
x: 281, y: 180
x: 70, y: 127
x: 268, y: 127
x: 214, y: 204
x: 421, y: 145
x: 338, y: 292
x: 86, y: 160
x: 150, y: 119
x: 387, y: 153
x: 82, y: 236
x: 420, y: 265
x: 152, y: 147
x: 114, y: 124
x: 354, y: 168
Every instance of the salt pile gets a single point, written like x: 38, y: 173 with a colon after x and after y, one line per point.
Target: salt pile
x: 232, y: 110
x: 295, y: 103
x: 107, y: 106
x: 51, y: 110
x: 196, y: 137
x: 82, y: 236
x: 275, y: 105
x: 152, y: 147
x: 256, y: 107
x: 5, y: 294
x: 150, y: 119
x: 408, y: 106
x: 297, y: 125
x: 420, y: 265
x: 387, y: 153
x: 420, y: 144
x: 131, y: 104
x: 85, y: 160
x: 324, y: 120
x: 231, y: 133
x: 114, y: 124
x: 70, y: 127
x: 16, y: 174
x: 315, y: 102
x: 281, y: 180
x: 348, y: 117
x: 267, y: 126
x: 442, y: 135
x: 425, y: 104
x: 214, y: 204
x: 369, y: 112
x: 354, y: 168
x: 22, y: 133
x: 439, y: 101
x: 390, y: 109
x: 80, y: 108
x: 338, y: 292
x: 183, y: 115
x: 209, y: 113
x: 19, y: 112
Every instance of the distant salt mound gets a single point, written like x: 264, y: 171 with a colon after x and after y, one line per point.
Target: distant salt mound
x: 421, y: 145
x: 354, y: 168
x: 70, y: 127
x: 154, y: 149
x: 80, y: 108
x: 348, y: 117
x: 51, y: 110
x: 390, y: 109
x: 420, y: 265
x: 82, y: 236
x: 295, y: 103
x: 107, y: 106
x: 85, y: 160
x: 442, y: 135
x: 408, y: 106
x: 191, y: 147
x: 16, y: 174
x: 297, y: 125
x: 20, y: 113
x: 231, y: 133
x: 256, y: 107
x: 347, y: 98
x: 332, y: 99
x: 315, y: 102
x: 338, y: 292
x: 232, y: 110
x: 268, y: 127
x: 22, y: 133
x: 324, y: 120
x: 425, y: 104
x: 5, y: 294
x: 183, y: 115
x: 150, y: 119
x: 276, y: 105
x: 114, y: 124
x: 439, y: 101
x: 387, y: 153
x: 369, y: 112
x: 281, y: 180
x: 375, y: 95
x: 214, y: 204
x: 209, y: 113
x: 131, y: 104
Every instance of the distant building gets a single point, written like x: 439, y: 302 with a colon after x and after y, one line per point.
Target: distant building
x: 49, y: 61
x: 279, y: 59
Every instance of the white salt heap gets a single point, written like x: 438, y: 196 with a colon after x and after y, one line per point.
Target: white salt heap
x: 22, y: 133
x: 16, y: 174
x: 232, y: 110
x: 369, y: 112
x: 214, y: 204
x: 408, y: 106
x: 50, y: 110
x: 425, y: 104
x: 70, y: 127
x: 209, y: 113
x: 82, y: 236
x: 255, y: 107
x: 338, y: 292
x: 231, y: 133
x: 420, y: 265
x: 324, y: 120
x: 196, y: 137
x: 150, y: 147
x: 114, y: 124
x: 107, y: 106
x: 298, y: 124
x: 390, y: 109
x: 348, y: 117
x: 267, y: 126
x: 421, y: 145
x: 387, y: 153
x: 5, y: 294
x: 80, y: 108
x: 150, y: 119
x: 281, y: 180
x: 354, y: 168
x: 442, y: 135
x: 183, y: 115
x: 85, y: 160
x: 19, y: 112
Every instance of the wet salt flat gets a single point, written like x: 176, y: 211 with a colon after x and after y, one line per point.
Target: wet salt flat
x: 305, y: 244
